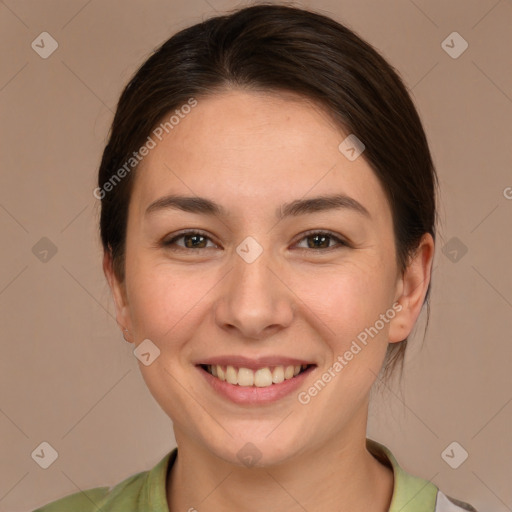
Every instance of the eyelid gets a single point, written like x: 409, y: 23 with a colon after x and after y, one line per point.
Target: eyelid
x: 341, y: 242
x: 167, y: 242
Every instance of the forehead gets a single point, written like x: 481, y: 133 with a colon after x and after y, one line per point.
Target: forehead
x: 250, y: 150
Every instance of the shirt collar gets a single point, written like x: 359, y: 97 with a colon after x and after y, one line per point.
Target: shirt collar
x: 410, y: 493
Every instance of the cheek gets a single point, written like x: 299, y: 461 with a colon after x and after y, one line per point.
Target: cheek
x: 348, y: 302
x: 346, y: 297
x: 169, y: 303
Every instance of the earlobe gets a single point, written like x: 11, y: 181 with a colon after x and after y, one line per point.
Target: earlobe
x: 118, y: 294
x: 412, y: 288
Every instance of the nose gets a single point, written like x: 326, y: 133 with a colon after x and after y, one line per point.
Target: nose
x: 254, y: 301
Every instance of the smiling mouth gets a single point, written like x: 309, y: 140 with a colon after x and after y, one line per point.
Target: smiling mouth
x: 262, y: 377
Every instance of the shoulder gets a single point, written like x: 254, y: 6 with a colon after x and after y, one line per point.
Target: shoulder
x: 92, y: 500
x: 412, y: 493
x: 143, y: 491
x: 83, y: 501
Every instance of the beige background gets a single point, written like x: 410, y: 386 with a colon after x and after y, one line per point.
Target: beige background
x: 66, y: 375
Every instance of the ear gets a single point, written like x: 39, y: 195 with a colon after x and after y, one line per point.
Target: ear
x: 411, y: 290
x: 118, y: 293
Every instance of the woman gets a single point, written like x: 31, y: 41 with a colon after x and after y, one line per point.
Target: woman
x: 268, y: 222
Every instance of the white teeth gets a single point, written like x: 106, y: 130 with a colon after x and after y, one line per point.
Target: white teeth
x: 288, y: 372
x: 231, y: 375
x: 246, y: 377
x: 263, y: 377
x: 278, y: 375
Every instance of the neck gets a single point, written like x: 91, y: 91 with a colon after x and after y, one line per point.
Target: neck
x: 340, y: 475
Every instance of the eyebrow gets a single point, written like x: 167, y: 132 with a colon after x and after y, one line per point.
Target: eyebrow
x: 202, y: 205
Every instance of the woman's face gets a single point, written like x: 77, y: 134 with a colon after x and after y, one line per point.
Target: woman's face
x: 255, y: 284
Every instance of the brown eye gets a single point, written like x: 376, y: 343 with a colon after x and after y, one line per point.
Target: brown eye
x: 192, y: 240
x: 321, y: 240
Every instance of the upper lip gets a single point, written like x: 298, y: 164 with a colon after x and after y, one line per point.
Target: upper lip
x: 253, y: 363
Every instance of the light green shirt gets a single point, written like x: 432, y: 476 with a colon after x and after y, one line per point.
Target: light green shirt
x: 146, y: 491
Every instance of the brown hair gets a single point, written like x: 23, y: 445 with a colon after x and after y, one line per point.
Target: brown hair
x: 281, y: 48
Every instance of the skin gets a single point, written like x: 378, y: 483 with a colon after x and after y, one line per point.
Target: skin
x: 252, y: 152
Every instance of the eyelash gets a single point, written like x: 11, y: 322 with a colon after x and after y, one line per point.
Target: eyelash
x: 169, y: 243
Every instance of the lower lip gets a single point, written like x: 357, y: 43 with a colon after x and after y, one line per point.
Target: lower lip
x: 252, y: 395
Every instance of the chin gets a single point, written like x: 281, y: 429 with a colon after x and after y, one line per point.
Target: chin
x: 258, y: 450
